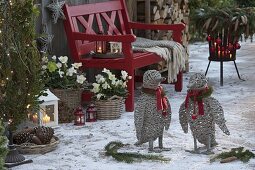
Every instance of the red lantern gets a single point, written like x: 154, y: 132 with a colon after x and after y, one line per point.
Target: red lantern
x: 91, y: 113
x: 79, y: 117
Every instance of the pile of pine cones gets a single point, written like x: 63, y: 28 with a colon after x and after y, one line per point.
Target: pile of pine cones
x: 39, y: 135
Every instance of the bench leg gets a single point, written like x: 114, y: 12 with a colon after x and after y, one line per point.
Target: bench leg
x: 130, y: 101
x: 179, y: 84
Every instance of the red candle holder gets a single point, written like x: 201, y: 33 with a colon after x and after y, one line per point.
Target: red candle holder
x: 79, y: 117
x: 91, y: 113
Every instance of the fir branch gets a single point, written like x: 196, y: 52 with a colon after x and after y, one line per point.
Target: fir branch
x: 239, y: 152
x: 112, y: 150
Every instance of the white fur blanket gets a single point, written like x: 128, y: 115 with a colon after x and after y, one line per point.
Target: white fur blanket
x: 172, y: 52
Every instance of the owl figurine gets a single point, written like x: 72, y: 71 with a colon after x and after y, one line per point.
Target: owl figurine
x: 152, y: 113
x: 201, y: 112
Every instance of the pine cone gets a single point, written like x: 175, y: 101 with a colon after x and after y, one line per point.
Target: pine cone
x: 36, y: 140
x: 44, y: 134
x: 23, y: 136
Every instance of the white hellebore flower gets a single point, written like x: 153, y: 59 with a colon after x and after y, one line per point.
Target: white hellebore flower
x: 80, y: 79
x: 105, y: 85
x: 99, y: 95
x: 95, y: 88
x: 112, y: 77
x: 106, y: 71
x: 100, y: 78
x: 59, y: 65
x: 63, y: 59
x: 54, y: 57
x: 124, y: 74
x: 119, y: 82
x: 44, y: 67
x: 114, y: 82
x: 71, y: 71
x: 124, y: 84
x: 61, y: 73
x: 77, y: 65
x: 129, y: 77
x: 45, y: 59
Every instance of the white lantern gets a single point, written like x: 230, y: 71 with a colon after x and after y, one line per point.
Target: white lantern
x: 116, y: 47
x: 48, y: 113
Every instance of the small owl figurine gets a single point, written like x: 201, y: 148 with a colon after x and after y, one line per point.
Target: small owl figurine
x: 201, y: 112
x: 153, y: 112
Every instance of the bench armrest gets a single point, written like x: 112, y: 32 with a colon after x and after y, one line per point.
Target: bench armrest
x: 145, y: 26
x: 95, y: 37
x: 176, y: 28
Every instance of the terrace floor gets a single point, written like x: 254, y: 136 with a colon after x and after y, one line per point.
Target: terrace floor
x: 83, y: 147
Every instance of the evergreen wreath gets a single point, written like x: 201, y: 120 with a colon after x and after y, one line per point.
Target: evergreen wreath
x: 112, y: 150
x: 239, y: 153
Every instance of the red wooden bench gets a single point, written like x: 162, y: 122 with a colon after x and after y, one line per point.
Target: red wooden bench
x: 82, y: 24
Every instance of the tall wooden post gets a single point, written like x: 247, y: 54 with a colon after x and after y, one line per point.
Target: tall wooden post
x: 147, y: 17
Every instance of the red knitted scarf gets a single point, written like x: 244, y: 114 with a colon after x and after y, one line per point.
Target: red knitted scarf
x: 197, y: 97
x: 162, y: 103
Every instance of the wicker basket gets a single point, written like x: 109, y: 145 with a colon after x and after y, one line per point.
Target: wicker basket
x: 109, y: 109
x: 31, y: 148
x: 70, y: 99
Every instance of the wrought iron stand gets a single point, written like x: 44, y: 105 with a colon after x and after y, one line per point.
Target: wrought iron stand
x: 221, y: 70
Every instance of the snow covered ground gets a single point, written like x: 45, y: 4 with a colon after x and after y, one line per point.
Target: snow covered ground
x: 82, y: 148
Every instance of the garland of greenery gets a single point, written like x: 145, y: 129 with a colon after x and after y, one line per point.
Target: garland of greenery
x: 239, y: 152
x: 112, y: 150
x: 3, y: 149
x: 230, y: 21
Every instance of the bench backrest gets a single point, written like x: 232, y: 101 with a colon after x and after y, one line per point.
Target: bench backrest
x: 109, y: 17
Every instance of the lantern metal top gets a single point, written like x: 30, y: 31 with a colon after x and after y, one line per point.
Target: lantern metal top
x: 78, y: 111
x: 50, y: 96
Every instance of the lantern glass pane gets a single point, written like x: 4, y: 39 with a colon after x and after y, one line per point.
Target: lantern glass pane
x: 78, y: 119
x: 82, y: 119
x: 50, y: 111
x: 91, y: 115
x: 33, y: 117
x: 99, y: 47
